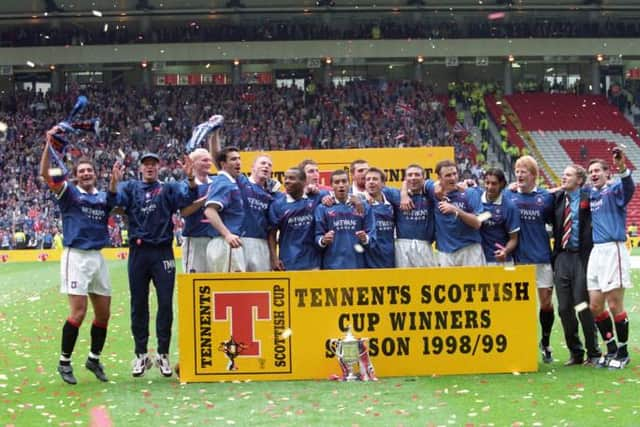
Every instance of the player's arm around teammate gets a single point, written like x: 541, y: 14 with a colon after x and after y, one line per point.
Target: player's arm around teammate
x: 197, y: 231
x: 536, y: 210
x: 224, y: 209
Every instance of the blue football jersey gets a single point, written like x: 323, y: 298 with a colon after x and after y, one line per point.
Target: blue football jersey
x: 416, y: 224
x: 452, y: 234
x: 84, y: 217
x: 536, y: 210
x: 381, y: 252
x: 344, y: 221
x: 150, y: 208
x: 609, y: 210
x: 197, y: 224
x: 295, y: 221
x: 256, y: 201
x: 504, y: 220
x: 225, y: 193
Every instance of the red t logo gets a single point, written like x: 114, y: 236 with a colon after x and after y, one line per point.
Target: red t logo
x: 241, y: 306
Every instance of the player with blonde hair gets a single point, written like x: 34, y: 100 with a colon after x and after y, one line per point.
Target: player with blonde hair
x: 536, y: 210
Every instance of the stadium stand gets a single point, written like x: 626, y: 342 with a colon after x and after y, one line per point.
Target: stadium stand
x: 356, y: 115
x: 561, y: 125
x: 378, y: 107
x: 496, y: 110
x: 193, y: 31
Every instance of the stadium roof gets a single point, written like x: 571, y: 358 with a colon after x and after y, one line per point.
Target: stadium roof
x: 22, y: 8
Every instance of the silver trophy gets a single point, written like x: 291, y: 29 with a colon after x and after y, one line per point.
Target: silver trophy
x: 352, y: 352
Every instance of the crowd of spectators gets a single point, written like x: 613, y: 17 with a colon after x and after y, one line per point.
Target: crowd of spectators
x: 265, y: 30
x: 356, y: 115
x: 626, y: 97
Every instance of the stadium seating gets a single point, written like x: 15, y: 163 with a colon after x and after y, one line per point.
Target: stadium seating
x: 542, y: 111
x: 561, y: 124
x: 593, y: 149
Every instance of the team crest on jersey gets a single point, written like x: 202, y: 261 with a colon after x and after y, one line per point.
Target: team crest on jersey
x: 539, y: 201
x: 43, y: 256
x: 122, y: 255
x: 153, y: 193
x: 498, y: 211
x: 4, y: 258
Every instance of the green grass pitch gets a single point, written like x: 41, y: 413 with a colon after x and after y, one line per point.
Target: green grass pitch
x: 32, y: 394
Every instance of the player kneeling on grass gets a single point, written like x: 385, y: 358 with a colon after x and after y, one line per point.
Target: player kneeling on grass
x: 85, y: 212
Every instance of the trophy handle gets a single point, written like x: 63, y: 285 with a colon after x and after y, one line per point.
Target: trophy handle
x: 367, y: 372
x: 335, y: 347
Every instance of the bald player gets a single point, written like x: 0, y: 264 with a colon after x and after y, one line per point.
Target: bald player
x: 197, y: 230
x: 257, y: 196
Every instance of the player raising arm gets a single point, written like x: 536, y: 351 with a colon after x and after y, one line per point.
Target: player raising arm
x: 197, y: 231
x: 608, y: 270
x: 150, y: 205
x: 84, y: 273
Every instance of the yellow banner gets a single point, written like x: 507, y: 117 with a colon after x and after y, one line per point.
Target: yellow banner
x: 392, y: 160
x: 46, y: 255
x: 417, y: 321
